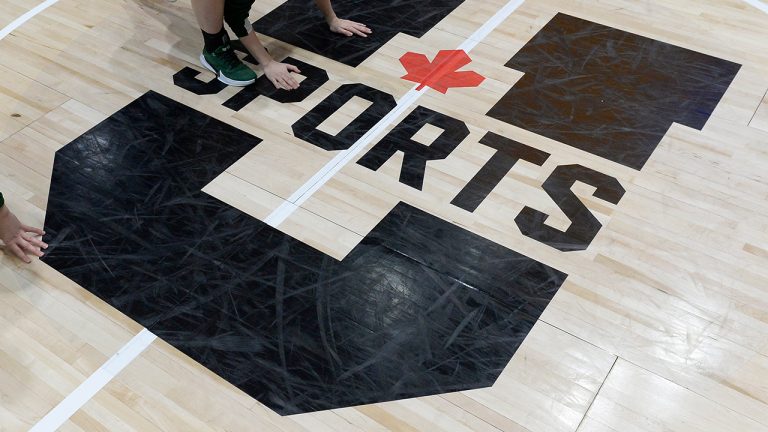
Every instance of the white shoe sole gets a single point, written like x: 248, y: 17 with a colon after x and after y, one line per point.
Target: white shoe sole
x: 221, y: 77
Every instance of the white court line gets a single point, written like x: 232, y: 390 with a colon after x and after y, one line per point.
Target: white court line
x: 758, y: 4
x: 280, y: 214
x: 490, y: 25
x: 26, y: 17
x: 75, y: 401
x: 284, y: 211
x: 83, y: 393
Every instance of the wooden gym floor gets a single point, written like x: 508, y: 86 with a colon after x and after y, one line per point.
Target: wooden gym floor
x: 576, y: 241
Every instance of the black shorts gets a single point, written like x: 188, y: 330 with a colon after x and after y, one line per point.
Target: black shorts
x: 236, y: 14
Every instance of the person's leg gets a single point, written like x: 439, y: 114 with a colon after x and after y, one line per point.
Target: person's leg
x: 236, y: 14
x: 210, y: 17
x: 209, y: 14
x: 218, y: 56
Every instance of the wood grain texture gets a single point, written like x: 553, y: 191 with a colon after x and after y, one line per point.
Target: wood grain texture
x: 662, y: 324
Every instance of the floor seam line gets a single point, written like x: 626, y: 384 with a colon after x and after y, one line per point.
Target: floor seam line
x: 759, y: 105
x: 699, y: 394
x: 476, y: 415
x: 597, y: 393
x: 619, y: 356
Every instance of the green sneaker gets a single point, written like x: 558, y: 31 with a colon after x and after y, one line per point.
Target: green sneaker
x: 227, y: 67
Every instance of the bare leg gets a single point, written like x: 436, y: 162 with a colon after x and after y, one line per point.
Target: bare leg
x: 210, y: 15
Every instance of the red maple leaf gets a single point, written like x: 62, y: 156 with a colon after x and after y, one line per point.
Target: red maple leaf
x: 440, y: 74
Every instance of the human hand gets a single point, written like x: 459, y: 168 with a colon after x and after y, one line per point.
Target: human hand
x: 280, y: 75
x: 349, y: 28
x: 17, y: 238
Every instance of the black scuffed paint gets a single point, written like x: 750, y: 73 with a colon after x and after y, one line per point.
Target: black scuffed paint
x: 526, y: 285
x: 584, y: 225
x: 416, y: 154
x: 187, y: 79
x: 609, y: 92
x: 314, y: 79
x: 306, y: 128
x: 419, y: 307
x: 508, y: 153
x: 299, y: 23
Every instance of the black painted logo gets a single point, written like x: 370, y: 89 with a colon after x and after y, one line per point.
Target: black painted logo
x: 420, y: 306
x: 315, y: 78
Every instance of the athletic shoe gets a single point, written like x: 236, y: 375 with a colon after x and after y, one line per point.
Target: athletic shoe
x: 227, y: 67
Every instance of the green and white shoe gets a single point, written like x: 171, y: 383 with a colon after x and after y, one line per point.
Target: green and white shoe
x: 227, y: 67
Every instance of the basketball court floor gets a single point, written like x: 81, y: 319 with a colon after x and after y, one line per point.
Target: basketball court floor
x: 524, y: 216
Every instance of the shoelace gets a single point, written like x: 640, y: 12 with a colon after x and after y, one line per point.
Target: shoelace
x: 227, y: 54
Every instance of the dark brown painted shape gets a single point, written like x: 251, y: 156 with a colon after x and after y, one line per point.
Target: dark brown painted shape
x: 609, y: 92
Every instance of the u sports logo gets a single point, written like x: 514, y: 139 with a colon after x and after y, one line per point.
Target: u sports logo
x: 302, y: 331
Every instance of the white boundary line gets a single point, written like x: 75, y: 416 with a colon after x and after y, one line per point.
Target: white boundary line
x: 88, y: 389
x: 99, y: 379
x: 758, y: 4
x: 26, y: 17
x: 284, y: 211
x: 280, y: 214
x: 491, y: 25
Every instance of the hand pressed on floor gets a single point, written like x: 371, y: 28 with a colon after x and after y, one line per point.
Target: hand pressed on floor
x: 349, y: 28
x: 280, y: 75
x: 20, y: 239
